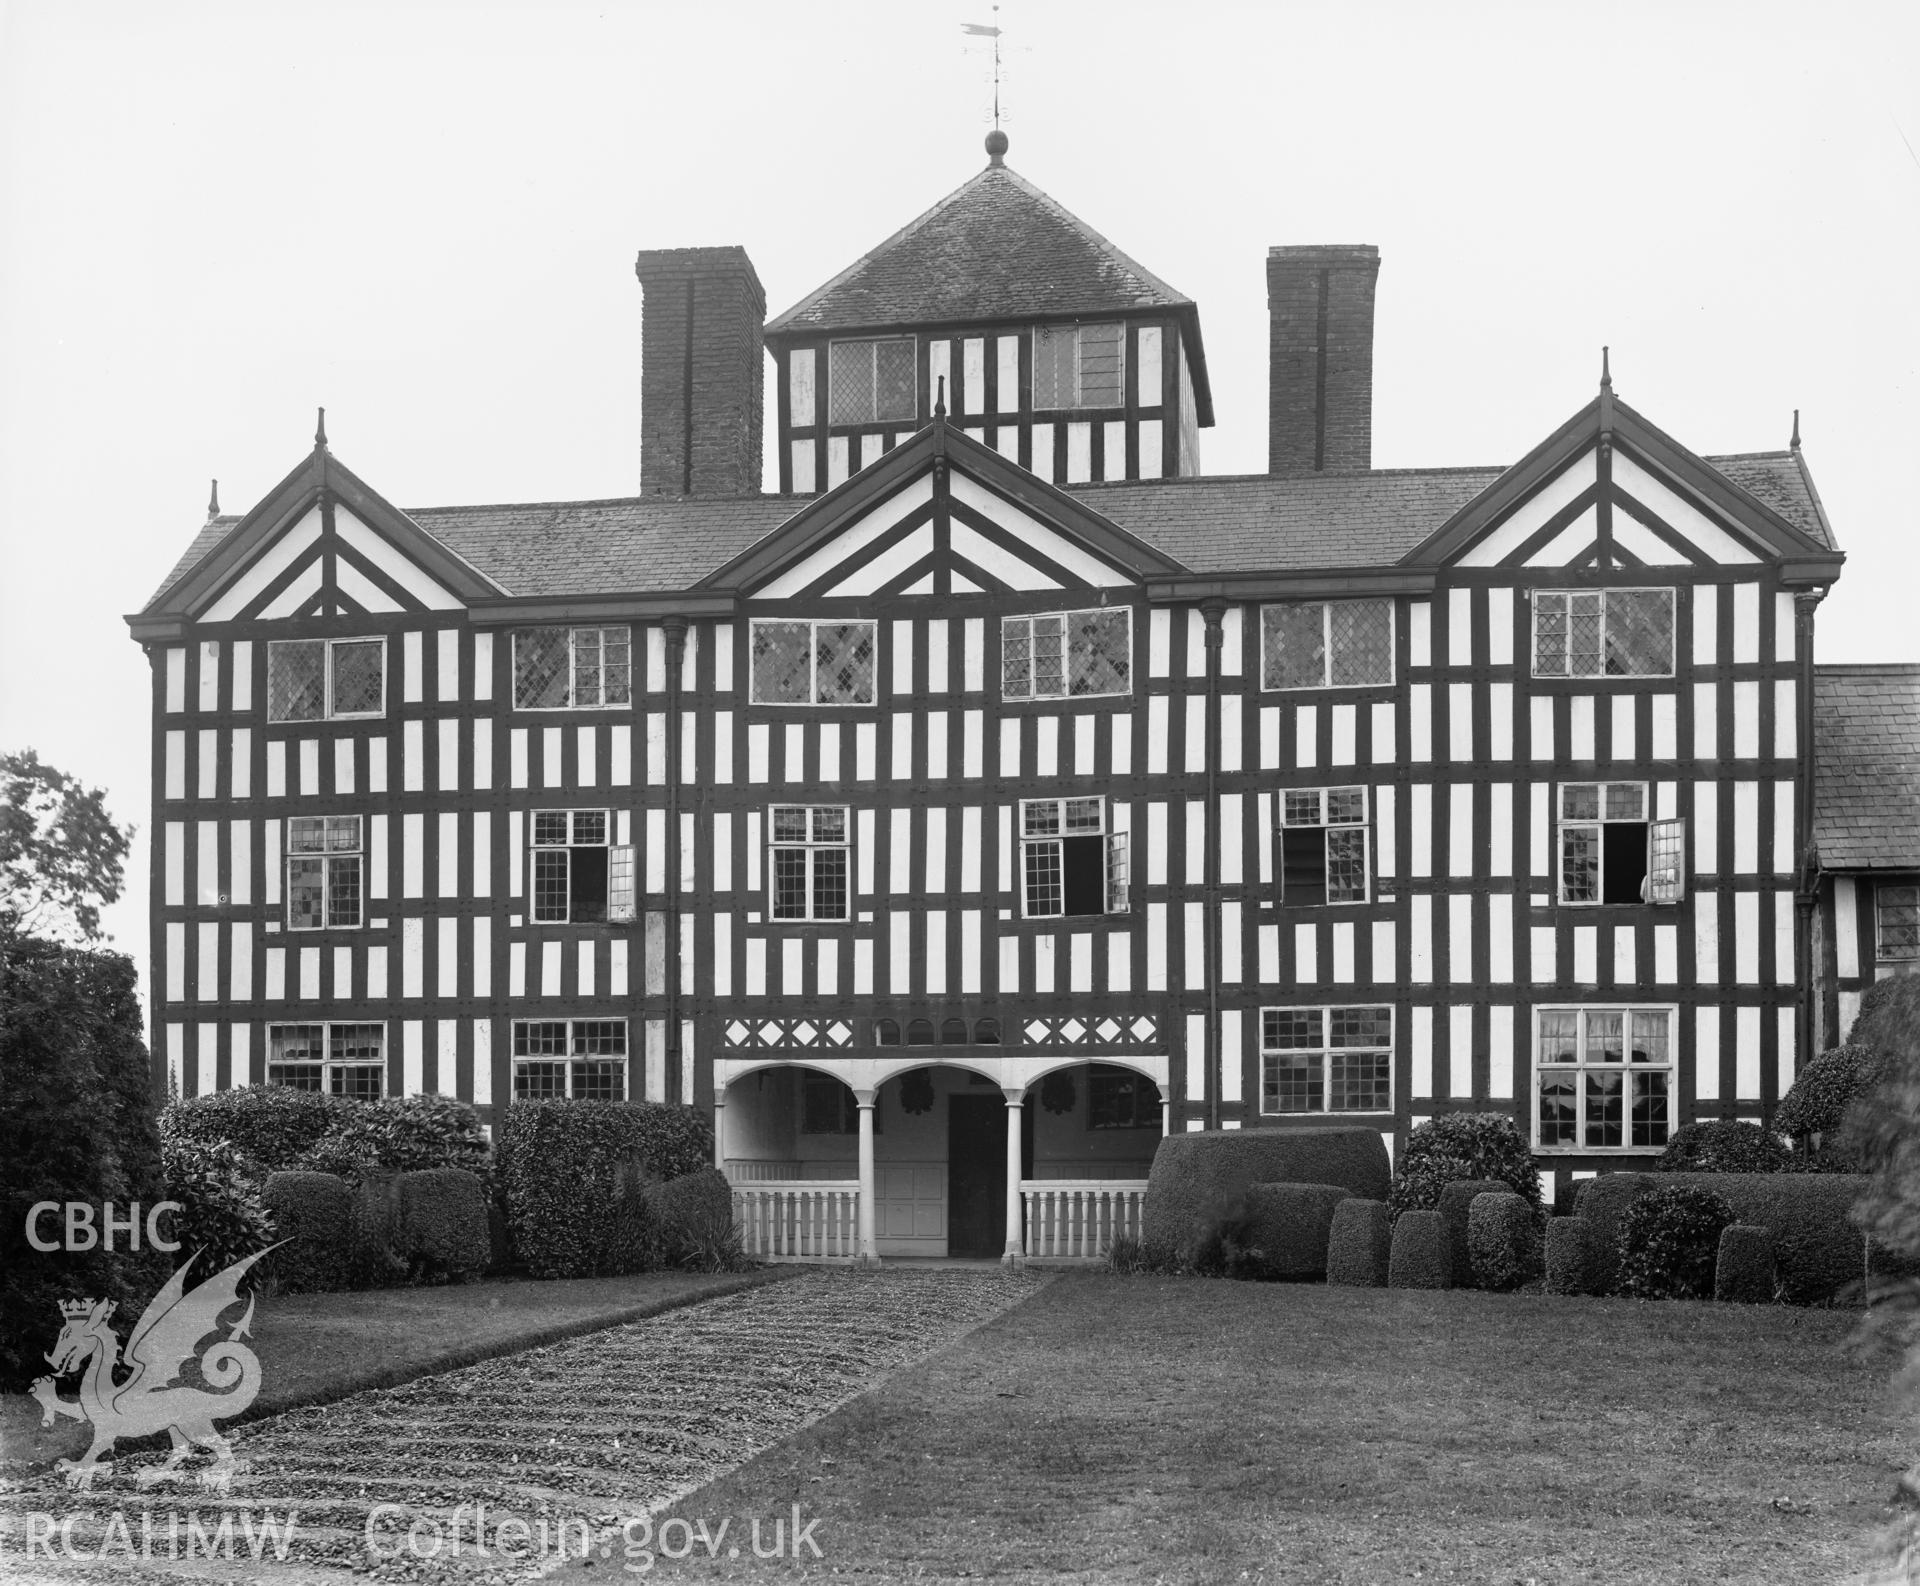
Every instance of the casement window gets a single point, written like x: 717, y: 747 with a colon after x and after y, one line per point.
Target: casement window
x: 580, y: 876
x: 1326, y: 644
x: 1118, y: 1098
x: 872, y: 382
x: 1326, y: 1059
x: 807, y: 862
x: 1070, y: 862
x: 326, y: 679
x: 827, y: 1106
x: 334, y: 1059
x: 1324, y: 846
x: 1896, y: 912
x: 572, y: 668
x: 324, y: 872
x: 1610, y: 852
x: 1603, y: 633
x: 570, y: 1059
x: 1067, y: 654
x: 1080, y: 366
x: 1604, y: 1077
x: 814, y: 663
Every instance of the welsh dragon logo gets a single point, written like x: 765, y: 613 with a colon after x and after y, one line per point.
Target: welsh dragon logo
x: 148, y: 1401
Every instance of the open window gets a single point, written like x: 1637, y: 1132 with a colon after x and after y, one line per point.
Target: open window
x: 580, y: 877
x: 1611, y: 852
x: 1067, y: 654
x: 572, y: 668
x: 1071, y: 863
x: 1324, y: 847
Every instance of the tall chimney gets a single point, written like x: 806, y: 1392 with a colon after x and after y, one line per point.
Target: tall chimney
x: 702, y: 373
x: 1320, y: 379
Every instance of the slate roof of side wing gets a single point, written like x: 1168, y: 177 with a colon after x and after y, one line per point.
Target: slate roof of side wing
x: 1866, y: 735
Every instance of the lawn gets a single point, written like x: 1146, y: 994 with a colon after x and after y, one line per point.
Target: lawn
x: 315, y: 1348
x: 1145, y: 1429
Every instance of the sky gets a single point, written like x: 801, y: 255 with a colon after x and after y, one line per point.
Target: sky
x: 215, y: 218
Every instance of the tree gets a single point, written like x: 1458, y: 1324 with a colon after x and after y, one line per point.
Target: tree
x: 61, y: 855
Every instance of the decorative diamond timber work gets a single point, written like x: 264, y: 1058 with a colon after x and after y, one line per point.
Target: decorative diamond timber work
x: 1140, y: 1031
x: 788, y: 1032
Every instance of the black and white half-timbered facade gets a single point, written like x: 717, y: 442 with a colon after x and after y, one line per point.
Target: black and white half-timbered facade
x: 1004, y: 792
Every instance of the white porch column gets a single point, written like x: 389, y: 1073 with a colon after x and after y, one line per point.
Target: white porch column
x: 1016, y: 1243
x: 720, y: 1132
x: 869, y: 1245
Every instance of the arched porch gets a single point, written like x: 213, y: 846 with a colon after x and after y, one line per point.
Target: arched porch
x: 930, y: 1151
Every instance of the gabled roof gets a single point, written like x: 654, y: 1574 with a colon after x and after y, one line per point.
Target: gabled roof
x: 996, y: 249
x: 1866, y: 735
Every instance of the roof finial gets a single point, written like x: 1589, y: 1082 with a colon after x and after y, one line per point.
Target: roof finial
x: 213, y: 502
x: 1795, y: 442
x: 940, y: 400
x: 1606, y: 374
x: 320, y: 431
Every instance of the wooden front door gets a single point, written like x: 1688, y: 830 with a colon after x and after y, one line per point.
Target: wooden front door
x: 976, y: 1175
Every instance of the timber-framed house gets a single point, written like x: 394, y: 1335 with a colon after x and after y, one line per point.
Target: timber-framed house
x: 1004, y: 791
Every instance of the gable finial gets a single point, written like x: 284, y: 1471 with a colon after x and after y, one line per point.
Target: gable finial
x: 213, y: 502
x: 1606, y: 373
x: 1794, y: 444
x: 320, y: 431
x: 940, y: 400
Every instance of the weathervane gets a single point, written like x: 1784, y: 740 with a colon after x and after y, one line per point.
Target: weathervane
x: 990, y: 31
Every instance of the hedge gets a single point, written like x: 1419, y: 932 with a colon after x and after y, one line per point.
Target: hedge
x: 1818, y: 1248
x: 272, y: 1126
x: 1503, y: 1240
x: 1418, y: 1258
x: 1198, y: 1179
x: 1578, y: 1260
x: 1669, y: 1238
x: 1360, y: 1243
x: 1456, y: 1200
x: 405, y: 1134
x: 1743, y: 1267
x: 442, y: 1225
x: 313, y: 1213
x: 1723, y: 1145
x: 574, y: 1172
x: 1462, y: 1145
x: 374, y: 1260
x: 694, y: 1218
x: 1289, y: 1225
x: 221, y: 1218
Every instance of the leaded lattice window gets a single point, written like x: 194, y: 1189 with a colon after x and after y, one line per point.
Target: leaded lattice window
x: 1067, y: 654
x: 1603, y: 1077
x: 1324, y: 846
x: 807, y: 862
x: 572, y: 668
x: 324, y: 872
x: 1326, y: 644
x: 813, y: 663
x: 576, y: 1059
x: 1897, y: 922
x: 580, y: 875
x: 1326, y: 1059
x: 334, y: 1059
x: 1071, y: 863
x: 1603, y: 633
x: 1612, y: 852
x: 872, y: 382
x: 325, y: 679
x: 1080, y: 366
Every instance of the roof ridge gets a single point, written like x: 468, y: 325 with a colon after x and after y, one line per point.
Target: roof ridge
x: 1867, y: 666
x: 1292, y: 479
x: 607, y: 501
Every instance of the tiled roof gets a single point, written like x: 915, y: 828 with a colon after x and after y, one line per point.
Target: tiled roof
x: 1866, y: 735
x: 1224, y: 523
x: 995, y: 248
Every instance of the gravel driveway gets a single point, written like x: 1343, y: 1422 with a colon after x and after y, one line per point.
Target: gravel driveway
x: 599, y: 1429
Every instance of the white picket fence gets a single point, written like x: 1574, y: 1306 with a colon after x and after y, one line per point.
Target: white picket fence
x: 1079, y: 1219
x: 798, y: 1219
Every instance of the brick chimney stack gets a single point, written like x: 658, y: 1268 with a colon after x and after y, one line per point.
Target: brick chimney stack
x: 702, y: 372
x: 1320, y: 370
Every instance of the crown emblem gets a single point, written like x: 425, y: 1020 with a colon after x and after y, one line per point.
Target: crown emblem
x: 76, y: 1310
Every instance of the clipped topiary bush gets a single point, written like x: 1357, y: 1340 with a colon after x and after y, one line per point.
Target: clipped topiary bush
x: 1503, y: 1240
x: 1669, y: 1239
x: 313, y: 1214
x: 1288, y: 1227
x: 694, y: 1216
x: 1822, y: 1092
x: 1603, y: 1202
x: 1574, y: 1257
x: 1456, y: 1199
x: 1360, y: 1244
x: 1418, y: 1257
x: 373, y: 1254
x: 1723, y: 1145
x: 1878, y: 1022
x: 442, y: 1225
x: 1462, y: 1145
x: 1199, y: 1179
x: 221, y: 1216
x: 1743, y: 1269
x: 272, y: 1126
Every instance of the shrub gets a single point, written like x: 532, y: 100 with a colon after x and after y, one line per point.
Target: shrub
x: 1129, y: 1257
x: 1288, y: 1227
x: 1602, y: 1202
x: 442, y: 1225
x: 1669, y: 1239
x: 221, y: 1217
x: 574, y: 1173
x: 1723, y: 1145
x: 1199, y: 1179
x: 1456, y: 1199
x: 1418, y: 1258
x: 373, y: 1255
x: 76, y: 1124
x: 694, y: 1217
x: 1885, y: 1018
x: 1503, y: 1240
x: 272, y: 1126
x: 405, y: 1134
x: 1743, y: 1269
x: 313, y: 1213
x: 1573, y: 1257
x: 1462, y: 1145
x: 1822, y: 1092
x: 1360, y: 1243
